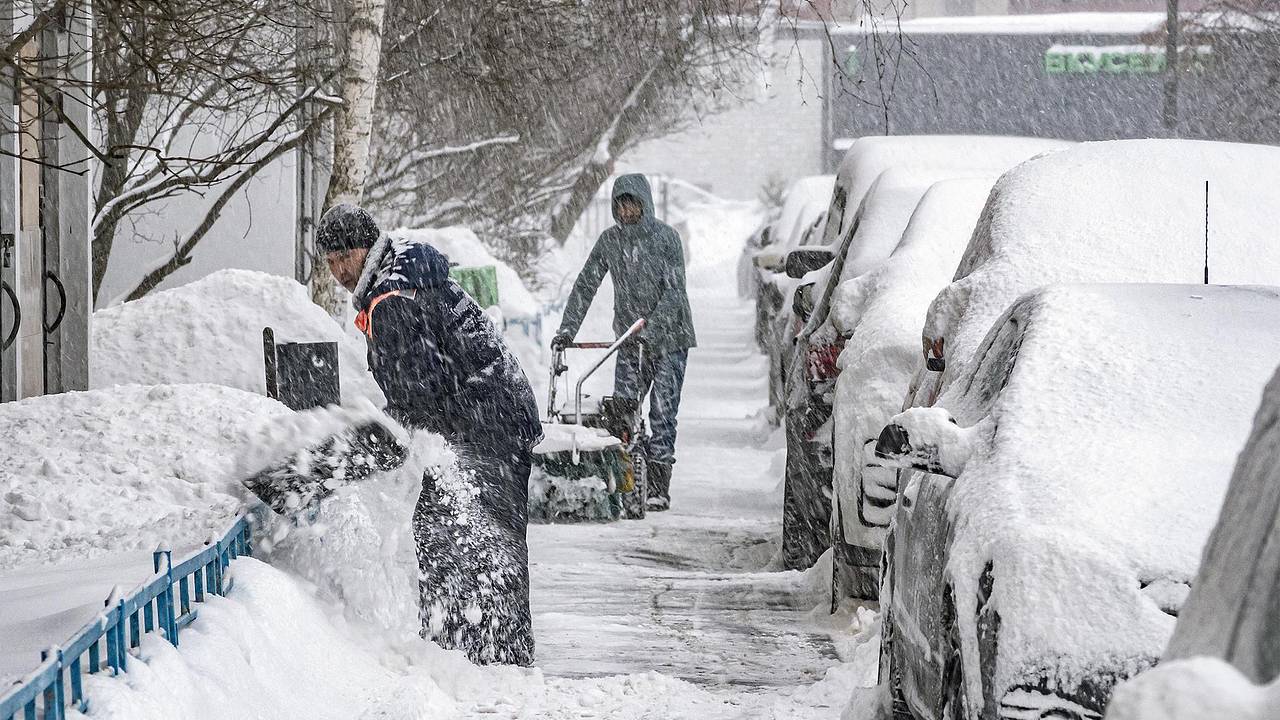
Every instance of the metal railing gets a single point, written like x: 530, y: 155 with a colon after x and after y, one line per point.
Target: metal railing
x: 104, y: 643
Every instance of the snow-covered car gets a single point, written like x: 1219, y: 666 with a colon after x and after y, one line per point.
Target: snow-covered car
x: 1067, y: 481
x: 879, y: 314
x: 904, y: 168
x: 802, y: 210
x: 1114, y: 211
x: 1221, y: 661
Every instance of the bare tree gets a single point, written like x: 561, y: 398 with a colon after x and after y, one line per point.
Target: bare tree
x: 189, y: 97
x: 507, y: 116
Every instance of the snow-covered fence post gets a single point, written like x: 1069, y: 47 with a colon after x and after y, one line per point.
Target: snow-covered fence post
x: 165, y: 600
x: 54, y: 695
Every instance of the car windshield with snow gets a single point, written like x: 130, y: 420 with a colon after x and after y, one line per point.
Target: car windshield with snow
x: 1061, y: 492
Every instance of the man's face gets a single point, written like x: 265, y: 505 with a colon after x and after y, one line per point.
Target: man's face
x: 346, y: 266
x: 629, y: 210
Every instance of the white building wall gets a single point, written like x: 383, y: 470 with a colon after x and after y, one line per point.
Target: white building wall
x: 776, y: 134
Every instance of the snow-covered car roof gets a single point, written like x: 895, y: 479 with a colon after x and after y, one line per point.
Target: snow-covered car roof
x: 1105, y: 422
x: 806, y: 198
x: 881, y: 313
x: 1114, y: 211
x: 942, y: 155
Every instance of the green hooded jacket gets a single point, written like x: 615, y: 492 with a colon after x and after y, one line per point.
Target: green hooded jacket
x: 646, y: 261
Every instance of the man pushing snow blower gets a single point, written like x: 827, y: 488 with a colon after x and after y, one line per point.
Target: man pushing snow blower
x: 445, y: 369
x: 646, y: 260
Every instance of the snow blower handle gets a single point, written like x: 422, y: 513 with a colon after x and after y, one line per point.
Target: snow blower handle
x: 631, y: 333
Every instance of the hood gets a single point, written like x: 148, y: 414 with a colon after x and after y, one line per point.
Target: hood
x: 400, y: 264
x: 633, y: 184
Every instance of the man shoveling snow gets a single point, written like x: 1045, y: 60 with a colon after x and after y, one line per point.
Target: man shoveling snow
x: 444, y: 369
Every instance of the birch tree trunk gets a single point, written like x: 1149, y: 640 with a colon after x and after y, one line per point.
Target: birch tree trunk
x: 353, y: 126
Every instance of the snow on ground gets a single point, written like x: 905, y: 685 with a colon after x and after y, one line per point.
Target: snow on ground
x: 677, y: 616
x: 92, y: 482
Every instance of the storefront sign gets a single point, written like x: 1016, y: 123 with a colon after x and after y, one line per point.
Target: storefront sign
x: 1118, y: 59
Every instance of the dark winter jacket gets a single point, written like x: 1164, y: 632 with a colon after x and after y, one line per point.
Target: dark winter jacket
x: 436, y: 355
x: 646, y: 261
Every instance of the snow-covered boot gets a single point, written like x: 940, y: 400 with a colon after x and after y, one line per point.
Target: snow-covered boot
x: 659, y: 477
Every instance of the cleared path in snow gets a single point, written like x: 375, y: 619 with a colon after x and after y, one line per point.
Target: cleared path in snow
x: 686, y: 593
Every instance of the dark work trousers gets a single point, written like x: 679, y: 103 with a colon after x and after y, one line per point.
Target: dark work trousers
x: 664, y: 373
x: 472, y: 557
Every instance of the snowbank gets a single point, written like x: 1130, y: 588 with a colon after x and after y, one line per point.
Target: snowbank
x: 210, y: 331
x: 1199, y: 688
x: 1116, y: 211
x: 462, y: 247
x: 271, y: 649
x: 880, y: 313
x: 1108, y: 433
x: 84, y: 475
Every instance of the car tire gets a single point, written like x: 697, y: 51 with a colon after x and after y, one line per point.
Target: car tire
x: 952, y: 705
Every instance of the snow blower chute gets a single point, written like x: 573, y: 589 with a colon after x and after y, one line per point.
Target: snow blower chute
x: 591, y: 465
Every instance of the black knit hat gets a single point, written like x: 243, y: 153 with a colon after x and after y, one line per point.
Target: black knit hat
x: 346, y: 227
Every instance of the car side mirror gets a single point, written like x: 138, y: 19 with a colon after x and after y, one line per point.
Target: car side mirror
x: 802, y: 302
x: 802, y: 261
x: 926, y: 439
x: 770, y: 260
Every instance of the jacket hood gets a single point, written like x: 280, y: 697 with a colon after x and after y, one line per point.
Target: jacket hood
x: 399, y: 264
x: 633, y: 184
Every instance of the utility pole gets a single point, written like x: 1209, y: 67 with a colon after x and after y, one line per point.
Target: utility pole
x: 1171, y: 66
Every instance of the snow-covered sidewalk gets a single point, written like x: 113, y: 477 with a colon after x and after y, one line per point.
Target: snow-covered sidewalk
x: 677, y: 616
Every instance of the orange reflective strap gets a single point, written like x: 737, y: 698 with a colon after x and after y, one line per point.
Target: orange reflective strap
x: 364, y: 320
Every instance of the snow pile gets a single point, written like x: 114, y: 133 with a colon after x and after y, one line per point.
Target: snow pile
x: 880, y: 313
x: 210, y: 331
x: 1231, y: 612
x: 558, y: 437
x: 84, y: 475
x: 938, y: 155
x: 1063, y: 218
x: 462, y: 247
x: 1108, y: 432
x: 358, y: 549
x: 271, y: 649
x: 1200, y: 688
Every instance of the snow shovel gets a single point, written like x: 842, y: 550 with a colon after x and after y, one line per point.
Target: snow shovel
x: 591, y: 466
x: 296, y: 485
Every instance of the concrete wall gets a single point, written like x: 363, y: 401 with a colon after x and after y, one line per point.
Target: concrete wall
x: 776, y: 133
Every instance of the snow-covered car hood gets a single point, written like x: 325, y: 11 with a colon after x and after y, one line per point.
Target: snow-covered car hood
x: 1114, y: 211
x: 1108, y: 454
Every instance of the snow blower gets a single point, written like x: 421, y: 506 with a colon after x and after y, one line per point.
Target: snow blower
x: 591, y: 465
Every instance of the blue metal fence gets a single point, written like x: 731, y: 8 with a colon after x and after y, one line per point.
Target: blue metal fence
x: 105, y: 642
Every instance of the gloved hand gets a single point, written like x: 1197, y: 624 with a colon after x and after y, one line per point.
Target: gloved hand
x: 560, y: 341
